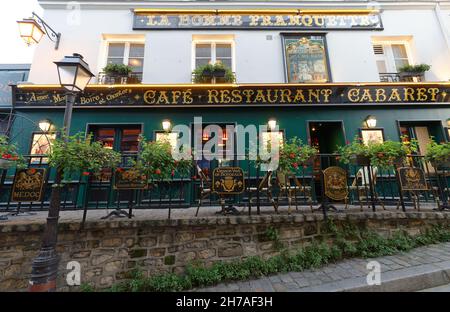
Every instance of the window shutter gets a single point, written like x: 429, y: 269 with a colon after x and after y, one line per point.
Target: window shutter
x: 378, y: 49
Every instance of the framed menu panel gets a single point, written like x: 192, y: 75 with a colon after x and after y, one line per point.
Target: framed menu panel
x: 306, y: 58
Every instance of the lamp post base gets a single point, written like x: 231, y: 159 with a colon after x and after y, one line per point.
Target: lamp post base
x: 44, y: 271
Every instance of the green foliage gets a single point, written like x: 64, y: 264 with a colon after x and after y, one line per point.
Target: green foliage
x: 85, y: 287
x: 117, y: 69
x: 383, y: 155
x: 272, y: 234
x: 294, y: 153
x: 204, y: 73
x: 419, y: 68
x: 438, y: 153
x: 156, y: 160
x: 349, y: 242
x: 77, y: 153
x: 8, y: 151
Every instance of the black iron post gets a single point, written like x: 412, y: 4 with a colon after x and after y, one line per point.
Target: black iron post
x: 44, y: 269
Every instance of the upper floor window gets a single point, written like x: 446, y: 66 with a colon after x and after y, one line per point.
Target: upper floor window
x: 306, y: 58
x: 213, y: 52
x: 390, y: 57
x: 128, y: 53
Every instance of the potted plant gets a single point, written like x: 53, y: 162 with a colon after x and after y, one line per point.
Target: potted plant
x: 205, y: 73
x: 355, y: 152
x: 294, y: 154
x: 438, y: 154
x: 409, y: 72
x: 8, y: 153
x: 156, y: 160
x: 390, y: 153
x: 76, y: 154
x: 117, y: 72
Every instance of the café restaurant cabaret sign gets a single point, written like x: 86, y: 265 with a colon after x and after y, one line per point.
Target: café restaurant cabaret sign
x: 236, y: 95
x: 287, y: 19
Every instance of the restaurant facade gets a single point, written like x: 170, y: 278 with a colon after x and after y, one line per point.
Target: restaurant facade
x: 324, y: 72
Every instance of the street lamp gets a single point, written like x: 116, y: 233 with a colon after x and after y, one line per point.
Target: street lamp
x: 74, y: 75
x: 33, y: 29
x: 272, y: 123
x: 166, y: 124
x: 45, y: 125
x: 371, y: 121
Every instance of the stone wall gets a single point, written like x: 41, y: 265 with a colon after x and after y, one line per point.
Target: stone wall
x: 107, y: 250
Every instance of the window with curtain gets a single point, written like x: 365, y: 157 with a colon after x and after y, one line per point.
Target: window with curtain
x: 127, y: 53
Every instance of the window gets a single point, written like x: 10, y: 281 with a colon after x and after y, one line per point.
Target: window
x: 127, y: 53
x: 41, y: 144
x: 390, y: 56
x: 124, y: 139
x: 305, y: 58
x: 213, y: 52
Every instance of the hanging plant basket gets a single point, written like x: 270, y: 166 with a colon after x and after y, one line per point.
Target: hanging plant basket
x: 219, y: 73
x: 360, y: 160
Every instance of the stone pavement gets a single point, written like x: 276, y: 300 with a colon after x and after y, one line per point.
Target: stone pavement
x: 421, y: 268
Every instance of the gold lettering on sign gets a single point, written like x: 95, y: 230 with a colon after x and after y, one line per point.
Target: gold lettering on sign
x: 319, y: 20
x: 353, y: 95
x: 299, y: 96
x: 237, y: 97
x: 433, y: 92
x: 380, y: 95
x: 313, y: 94
x: 421, y: 94
x: 164, y: 21
x: 395, y: 95
x: 366, y: 97
x: 149, y: 96
x: 254, y: 20
x: 183, y: 20
x: 266, y: 20
x: 237, y: 20
x: 248, y: 94
x: 225, y: 96
x: 307, y: 20
x: 175, y: 96
x: 213, y: 94
x: 279, y: 21
x: 259, y: 96
x: 326, y: 94
x: 187, y: 97
x: 408, y: 94
x: 285, y: 96
x: 294, y: 20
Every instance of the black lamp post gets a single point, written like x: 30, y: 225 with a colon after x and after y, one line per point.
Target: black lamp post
x: 74, y: 75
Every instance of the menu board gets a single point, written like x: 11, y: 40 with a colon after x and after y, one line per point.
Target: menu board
x: 306, y: 59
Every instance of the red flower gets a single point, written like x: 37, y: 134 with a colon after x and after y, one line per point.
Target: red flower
x: 14, y: 158
x: 119, y: 170
x: 337, y: 157
x: 6, y: 156
x: 295, y: 165
x: 157, y: 171
x: 32, y: 171
x: 173, y: 173
x: 347, y: 142
x: 86, y: 173
x: 292, y: 155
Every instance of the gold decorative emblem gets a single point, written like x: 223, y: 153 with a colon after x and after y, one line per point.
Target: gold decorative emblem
x: 28, y: 185
x: 412, y: 179
x: 335, y: 181
x: 130, y: 179
x: 228, y: 180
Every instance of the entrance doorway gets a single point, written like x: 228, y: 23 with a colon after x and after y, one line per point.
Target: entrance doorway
x: 326, y: 136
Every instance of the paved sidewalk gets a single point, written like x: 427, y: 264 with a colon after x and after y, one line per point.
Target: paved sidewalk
x: 421, y: 268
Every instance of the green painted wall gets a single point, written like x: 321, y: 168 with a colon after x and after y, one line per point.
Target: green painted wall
x: 292, y: 119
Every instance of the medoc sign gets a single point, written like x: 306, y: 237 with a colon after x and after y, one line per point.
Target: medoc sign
x: 283, y: 19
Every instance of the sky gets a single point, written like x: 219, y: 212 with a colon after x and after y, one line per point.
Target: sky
x: 14, y: 50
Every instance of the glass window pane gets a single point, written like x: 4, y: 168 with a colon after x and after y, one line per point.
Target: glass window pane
x: 226, y: 62
x: 223, y: 50
x: 400, y: 63
x: 116, y: 50
x: 203, y: 50
x: 41, y: 145
x: 137, y: 64
x: 115, y: 60
x: 306, y: 59
x: 399, y: 51
x: 381, y: 66
x: 201, y: 62
x: 130, y: 140
x: 137, y: 50
x: 106, y: 137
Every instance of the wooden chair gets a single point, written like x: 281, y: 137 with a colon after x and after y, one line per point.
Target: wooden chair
x: 290, y: 186
x: 205, y: 187
x: 264, y: 186
x: 363, y: 188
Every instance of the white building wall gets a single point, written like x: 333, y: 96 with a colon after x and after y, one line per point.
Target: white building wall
x: 168, y: 55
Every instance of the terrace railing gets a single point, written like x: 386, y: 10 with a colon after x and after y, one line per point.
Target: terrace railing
x: 366, y: 191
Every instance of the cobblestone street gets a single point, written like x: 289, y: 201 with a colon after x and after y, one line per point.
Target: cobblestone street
x: 414, y: 270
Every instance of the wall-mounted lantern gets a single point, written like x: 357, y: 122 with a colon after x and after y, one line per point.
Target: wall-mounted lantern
x: 33, y: 29
x: 371, y: 121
